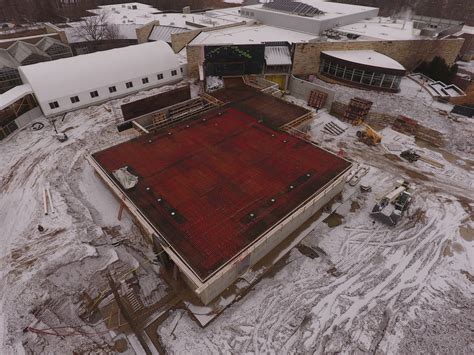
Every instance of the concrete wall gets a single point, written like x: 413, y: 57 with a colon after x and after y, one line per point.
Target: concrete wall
x: 50, y: 28
x: 180, y: 40
x: 301, y: 89
x: 194, y: 59
x: 408, y: 53
x: 465, y: 100
x: 143, y: 32
x: 230, y: 273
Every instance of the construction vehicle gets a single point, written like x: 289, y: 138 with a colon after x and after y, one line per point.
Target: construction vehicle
x: 413, y: 156
x: 370, y: 136
x: 392, y: 206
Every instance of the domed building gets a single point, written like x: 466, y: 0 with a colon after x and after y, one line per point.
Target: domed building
x: 362, y: 68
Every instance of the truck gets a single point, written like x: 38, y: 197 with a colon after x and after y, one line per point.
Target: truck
x: 392, y: 206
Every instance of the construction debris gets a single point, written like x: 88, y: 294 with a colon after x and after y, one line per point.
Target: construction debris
x: 48, y: 193
x: 47, y: 201
x: 413, y: 156
x: 126, y: 179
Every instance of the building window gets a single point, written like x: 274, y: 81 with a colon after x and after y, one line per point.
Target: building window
x: 145, y: 81
x: 174, y: 73
x: 160, y: 76
x: 75, y: 99
x: 364, y: 77
x: 129, y: 85
x: 112, y: 89
x: 181, y: 69
x: 94, y: 93
x: 53, y: 105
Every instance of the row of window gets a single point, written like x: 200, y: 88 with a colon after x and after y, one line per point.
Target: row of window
x: 365, y: 77
x: 75, y: 99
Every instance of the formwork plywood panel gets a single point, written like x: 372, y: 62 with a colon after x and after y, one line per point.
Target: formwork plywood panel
x: 213, y: 186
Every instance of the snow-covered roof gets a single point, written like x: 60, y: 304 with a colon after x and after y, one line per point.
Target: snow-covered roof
x: 163, y: 33
x: 125, y: 31
x: 62, y: 77
x: 330, y: 10
x: 382, y: 28
x: 277, y: 55
x: 14, y: 94
x: 48, y: 42
x: 366, y: 57
x: 251, y: 34
x: 136, y: 13
x: 5, y: 40
x: 6, y: 59
x: 116, y: 14
x: 468, y: 29
x: 22, y: 50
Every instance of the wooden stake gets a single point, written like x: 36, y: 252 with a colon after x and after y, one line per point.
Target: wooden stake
x: 50, y: 200
x: 45, y: 202
x: 122, y: 205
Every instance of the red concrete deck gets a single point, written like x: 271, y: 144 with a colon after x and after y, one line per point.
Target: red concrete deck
x: 213, y: 186
x: 272, y: 111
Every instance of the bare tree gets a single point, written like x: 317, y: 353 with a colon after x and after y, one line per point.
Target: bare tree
x: 97, y: 28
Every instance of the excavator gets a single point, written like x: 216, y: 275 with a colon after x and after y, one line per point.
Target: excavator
x: 370, y: 136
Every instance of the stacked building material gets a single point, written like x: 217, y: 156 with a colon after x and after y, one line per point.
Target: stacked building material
x: 357, y: 110
x: 317, y: 99
x: 405, y: 124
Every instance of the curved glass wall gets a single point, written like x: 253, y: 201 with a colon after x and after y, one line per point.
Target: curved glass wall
x: 359, y: 76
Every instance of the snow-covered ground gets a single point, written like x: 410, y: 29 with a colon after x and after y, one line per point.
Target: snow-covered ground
x: 415, y: 102
x: 372, y: 288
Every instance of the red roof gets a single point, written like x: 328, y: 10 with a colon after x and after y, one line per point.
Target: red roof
x: 212, y: 186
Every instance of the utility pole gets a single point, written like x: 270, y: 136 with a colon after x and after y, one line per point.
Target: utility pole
x: 127, y: 316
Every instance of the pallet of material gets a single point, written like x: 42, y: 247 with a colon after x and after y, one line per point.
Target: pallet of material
x: 357, y: 110
x: 317, y: 99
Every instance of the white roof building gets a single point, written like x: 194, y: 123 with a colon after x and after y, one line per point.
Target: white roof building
x: 382, y: 28
x: 251, y: 34
x: 367, y: 58
x: 326, y: 15
x: 71, y: 83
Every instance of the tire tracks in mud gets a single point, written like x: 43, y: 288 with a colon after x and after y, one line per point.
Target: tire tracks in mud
x: 305, y: 317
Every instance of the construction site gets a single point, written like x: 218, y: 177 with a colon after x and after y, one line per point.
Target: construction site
x: 231, y: 212
x: 188, y: 221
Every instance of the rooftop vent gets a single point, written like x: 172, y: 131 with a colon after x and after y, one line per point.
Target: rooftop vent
x: 293, y: 7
